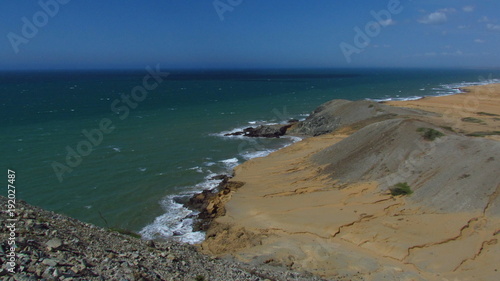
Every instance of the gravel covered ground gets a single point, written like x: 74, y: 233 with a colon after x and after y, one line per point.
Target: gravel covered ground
x: 49, y: 246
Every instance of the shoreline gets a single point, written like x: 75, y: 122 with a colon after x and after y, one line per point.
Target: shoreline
x: 174, y: 210
x: 279, y: 215
x: 286, y: 187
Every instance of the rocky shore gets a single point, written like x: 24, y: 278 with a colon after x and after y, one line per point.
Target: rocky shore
x: 51, y: 246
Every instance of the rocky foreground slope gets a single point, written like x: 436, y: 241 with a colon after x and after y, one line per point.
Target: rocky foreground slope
x: 50, y: 246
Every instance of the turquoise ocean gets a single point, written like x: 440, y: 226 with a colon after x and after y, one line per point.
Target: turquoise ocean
x: 172, y: 142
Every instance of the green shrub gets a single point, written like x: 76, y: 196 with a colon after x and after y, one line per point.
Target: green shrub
x: 430, y: 134
x: 200, y: 278
x: 487, y: 114
x: 401, y: 188
x: 484, y: 134
x: 472, y: 120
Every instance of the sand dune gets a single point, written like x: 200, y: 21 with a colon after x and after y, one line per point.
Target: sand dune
x: 323, y: 205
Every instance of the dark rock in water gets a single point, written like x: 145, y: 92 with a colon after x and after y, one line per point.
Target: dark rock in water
x: 181, y: 199
x: 198, y: 201
x: 210, y: 204
x: 263, y: 131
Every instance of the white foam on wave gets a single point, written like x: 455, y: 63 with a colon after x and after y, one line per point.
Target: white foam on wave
x: 441, y: 90
x: 235, y: 130
x: 256, y: 154
x: 293, y: 138
x: 264, y: 152
x: 230, y: 163
x: 197, y: 169
x: 397, y: 99
x: 257, y: 122
x: 177, y: 221
x: 115, y: 148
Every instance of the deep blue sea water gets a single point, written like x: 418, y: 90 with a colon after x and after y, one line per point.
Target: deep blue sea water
x: 171, y: 143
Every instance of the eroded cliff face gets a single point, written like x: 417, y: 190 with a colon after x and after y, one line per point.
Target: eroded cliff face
x: 323, y: 205
x: 337, y: 114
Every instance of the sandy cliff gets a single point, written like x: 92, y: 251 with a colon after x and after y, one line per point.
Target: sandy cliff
x: 323, y: 205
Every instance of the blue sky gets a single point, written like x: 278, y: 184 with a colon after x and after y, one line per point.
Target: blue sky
x: 92, y: 34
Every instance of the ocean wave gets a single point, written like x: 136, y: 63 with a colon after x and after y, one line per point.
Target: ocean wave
x: 441, y: 90
x: 247, y: 155
x: 226, y: 134
x: 256, y: 123
x: 177, y: 222
x: 115, y: 148
x: 397, y: 99
x: 256, y: 154
x: 231, y: 163
x: 197, y: 169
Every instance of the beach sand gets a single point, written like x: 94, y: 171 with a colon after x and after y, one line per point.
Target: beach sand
x: 479, y: 104
x: 291, y: 211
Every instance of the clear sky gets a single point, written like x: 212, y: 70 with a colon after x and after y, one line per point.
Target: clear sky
x: 110, y: 34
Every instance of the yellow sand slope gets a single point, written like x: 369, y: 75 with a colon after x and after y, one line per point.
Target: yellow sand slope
x: 323, y: 205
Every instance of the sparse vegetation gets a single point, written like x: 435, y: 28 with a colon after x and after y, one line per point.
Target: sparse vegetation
x: 401, y: 188
x: 486, y: 114
x: 125, y: 232
x: 484, y: 134
x: 472, y: 120
x: 448, y: 128
x: 430, y: 134
x: 370, y: 106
